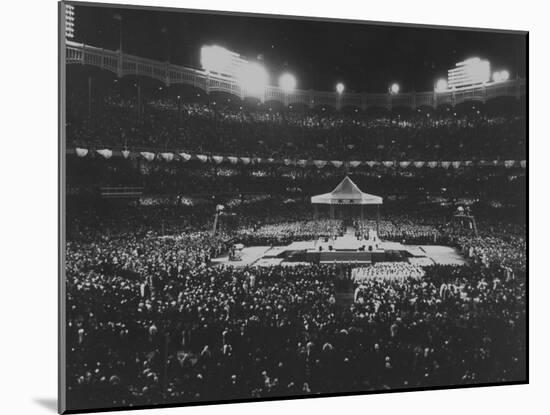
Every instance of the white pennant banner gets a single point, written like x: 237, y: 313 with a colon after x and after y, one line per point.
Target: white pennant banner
x: 167, y: 156
x: 125, y: 153
x: 523, y: 163
x: 245, y: 160
x: 202, y: 158
x: 185, y: 156
x: 81, y: 152
x: 509, y: 163
x: 372, y: 163
x: 337, y: 163
x: 418, y: 164
x: 287, y: 162
x: 148, y: 155
x: 432, y: 164
x: 233, y: 160
x: 456, y: 164
x: 387, y: 163
x: 106, y: 153
x: 302, y: 163
x: 217, y: 159
x: 320, y: 163
x: 404, y: 164
x: 445, y: 164
x: 355, y: 163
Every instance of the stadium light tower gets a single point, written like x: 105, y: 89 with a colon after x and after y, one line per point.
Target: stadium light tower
x: 473, y: 71
x: 394, y: 88
x: 252, y: 76
x: 217, y: 59
x: 287, y: 82
x: 340, y: 87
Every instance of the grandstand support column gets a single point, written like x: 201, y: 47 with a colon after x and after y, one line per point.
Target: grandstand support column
x: 315, y: 212
x: 138, y: 100
x: 331, y: 211
x: 90, y: 96
x: 362, y: 217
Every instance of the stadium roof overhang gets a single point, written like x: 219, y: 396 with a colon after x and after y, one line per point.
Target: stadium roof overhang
x: 346, y: 193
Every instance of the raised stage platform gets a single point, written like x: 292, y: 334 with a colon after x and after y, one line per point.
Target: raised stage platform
x: 345, y: 249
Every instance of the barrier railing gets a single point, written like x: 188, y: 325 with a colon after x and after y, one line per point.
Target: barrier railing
x: 123, y: 64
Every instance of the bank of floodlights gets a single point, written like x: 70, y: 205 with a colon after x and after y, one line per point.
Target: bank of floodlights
x: 252, y: 76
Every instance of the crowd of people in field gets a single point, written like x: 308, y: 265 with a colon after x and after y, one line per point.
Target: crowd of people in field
x: 387, y: 270
x: 285, y: 232
x: 170, y: 124
x: 150, y: 320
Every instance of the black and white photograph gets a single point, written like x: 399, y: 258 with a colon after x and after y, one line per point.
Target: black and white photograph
x: 259, y: 207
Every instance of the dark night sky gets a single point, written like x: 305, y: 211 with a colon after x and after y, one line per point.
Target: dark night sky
x: 365, y: 57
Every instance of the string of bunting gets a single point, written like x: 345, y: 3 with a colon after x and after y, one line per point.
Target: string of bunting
x: 320, y: 164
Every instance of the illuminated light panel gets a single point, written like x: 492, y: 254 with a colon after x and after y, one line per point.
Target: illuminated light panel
x: 473, y: 71
x: 220, y: 60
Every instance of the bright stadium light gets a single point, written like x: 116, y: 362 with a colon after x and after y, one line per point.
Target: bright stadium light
x: 501, y: 76
x: 441, y: 85
x: 340, y: 87
x: 254, y: 78
x: 394, y: 88
x: 217, y: 59
x: 287, y: 82
x: 472, y: 71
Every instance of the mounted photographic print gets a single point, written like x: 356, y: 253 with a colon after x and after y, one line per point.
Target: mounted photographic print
x: 260, y: 207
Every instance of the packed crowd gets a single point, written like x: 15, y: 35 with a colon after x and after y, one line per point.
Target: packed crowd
x: 165, y: 123
x: 387, y: 270
x: 285, y: 232
x: 150, y: 321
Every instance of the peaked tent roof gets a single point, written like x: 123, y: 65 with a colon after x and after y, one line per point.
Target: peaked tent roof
x: 347, y: 193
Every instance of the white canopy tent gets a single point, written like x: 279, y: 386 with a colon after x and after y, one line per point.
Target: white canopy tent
x: 347, y: 194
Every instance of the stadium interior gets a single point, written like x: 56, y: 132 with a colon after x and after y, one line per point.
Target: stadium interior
x: 189, y: 216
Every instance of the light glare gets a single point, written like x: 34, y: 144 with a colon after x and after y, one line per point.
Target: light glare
x: 287, y: 82
x: 254, y: 78
x: 394, y: 88
x: 441, y: 85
